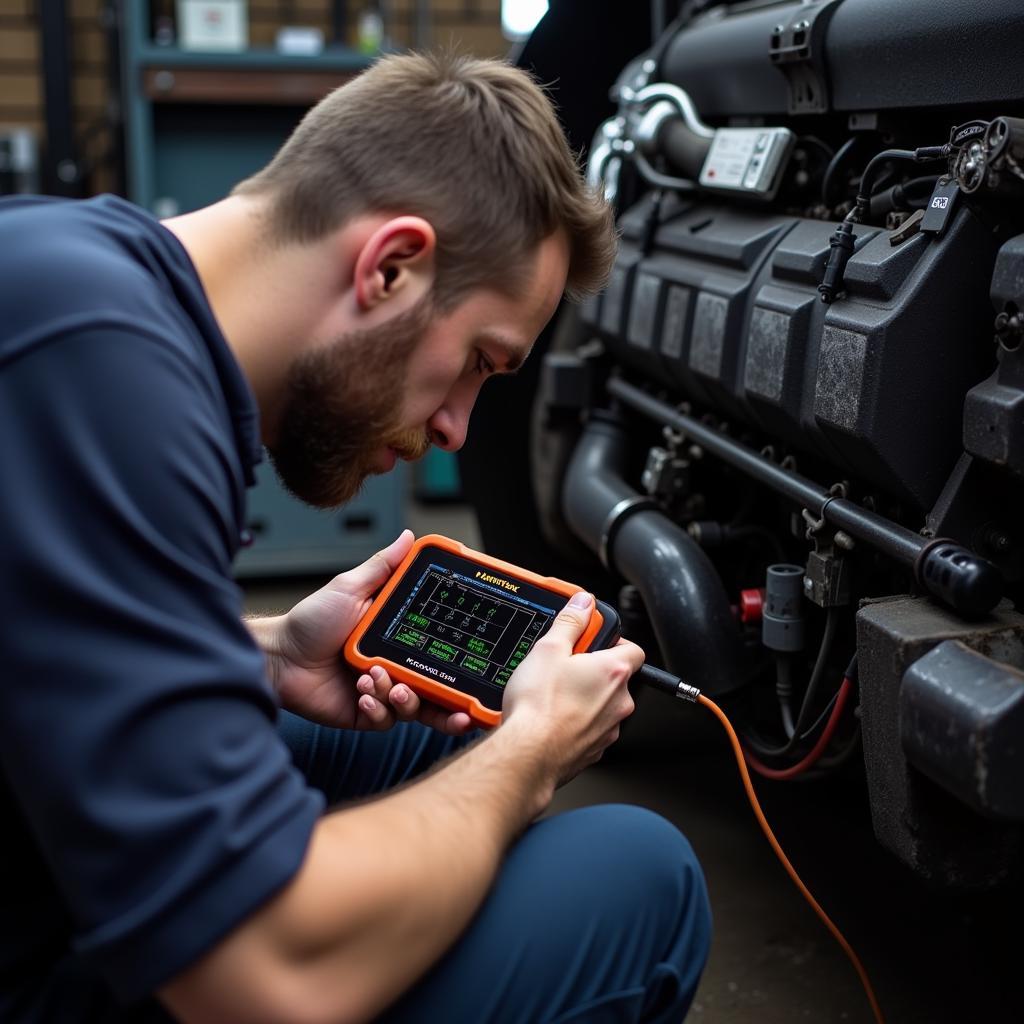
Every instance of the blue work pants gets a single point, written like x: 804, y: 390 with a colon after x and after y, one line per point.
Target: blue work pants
x: 597, y: 915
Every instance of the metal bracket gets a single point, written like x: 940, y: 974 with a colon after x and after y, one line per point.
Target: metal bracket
x: 797, y: 49
x: 827, y: 576
x: 666, y: 474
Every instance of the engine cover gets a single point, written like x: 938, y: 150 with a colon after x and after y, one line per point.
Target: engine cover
x: 724, y: 59
x: 721, y: 308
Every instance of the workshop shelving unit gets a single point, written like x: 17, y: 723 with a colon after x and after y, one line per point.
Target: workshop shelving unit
x: 196, y: 123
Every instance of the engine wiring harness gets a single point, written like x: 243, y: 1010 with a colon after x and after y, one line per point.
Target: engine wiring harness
x: 842, y: 243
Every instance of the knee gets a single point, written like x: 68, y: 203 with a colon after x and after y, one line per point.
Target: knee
x: 644, y: 844
x: 647, y: 862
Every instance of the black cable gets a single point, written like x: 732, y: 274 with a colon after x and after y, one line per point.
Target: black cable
x: 833, y: 168
x: 784, y: 692
x: 909, y: 195
x: 827, y: 640
x: 866, y: 188
x: 851, y: 674
x: 817, y: 673
x: 827, y: 766
x: 820, y: 720
x: 842, y: 243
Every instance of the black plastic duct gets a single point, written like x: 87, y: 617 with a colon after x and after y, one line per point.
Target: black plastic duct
x: 682, y: 592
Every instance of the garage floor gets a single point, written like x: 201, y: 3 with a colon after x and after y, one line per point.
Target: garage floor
x: 934, y: 958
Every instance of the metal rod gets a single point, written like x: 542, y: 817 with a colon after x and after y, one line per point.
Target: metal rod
x: 61, y: 166
x: 657, y: 19
x: 115, y: 110
x: 886, y: 536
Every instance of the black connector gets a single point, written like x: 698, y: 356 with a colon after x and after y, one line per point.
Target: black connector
x: 659, y: 679
x: 840, y: 250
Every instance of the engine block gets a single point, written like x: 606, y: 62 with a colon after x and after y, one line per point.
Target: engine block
x: 719, y: 305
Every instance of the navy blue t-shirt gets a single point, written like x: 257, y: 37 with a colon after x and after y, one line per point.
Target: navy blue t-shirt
x: 147, y: 805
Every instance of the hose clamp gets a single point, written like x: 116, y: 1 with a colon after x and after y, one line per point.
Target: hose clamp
x: 619, y: 513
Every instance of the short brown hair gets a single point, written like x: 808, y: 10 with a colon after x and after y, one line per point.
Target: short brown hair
x: 471, y: 145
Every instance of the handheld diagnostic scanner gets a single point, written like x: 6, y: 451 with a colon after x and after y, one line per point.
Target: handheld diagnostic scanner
x: 453, y: 624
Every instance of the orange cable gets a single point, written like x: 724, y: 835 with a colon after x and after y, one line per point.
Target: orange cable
x: 790, y: 870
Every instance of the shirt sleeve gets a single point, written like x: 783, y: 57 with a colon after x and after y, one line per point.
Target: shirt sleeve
x: 136, y: 722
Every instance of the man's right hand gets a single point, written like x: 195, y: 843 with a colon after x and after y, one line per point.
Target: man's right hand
x: 572, y: 704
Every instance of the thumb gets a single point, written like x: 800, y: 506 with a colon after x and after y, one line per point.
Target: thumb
x: 572, y: 619
x: 369, y: 577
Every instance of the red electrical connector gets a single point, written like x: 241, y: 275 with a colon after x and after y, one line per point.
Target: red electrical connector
x: 751, y: 606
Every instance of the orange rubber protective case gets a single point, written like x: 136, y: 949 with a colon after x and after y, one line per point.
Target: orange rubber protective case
x: 430, y: 689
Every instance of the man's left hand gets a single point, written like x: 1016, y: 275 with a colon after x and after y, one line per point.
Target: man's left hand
x: 305, y: 663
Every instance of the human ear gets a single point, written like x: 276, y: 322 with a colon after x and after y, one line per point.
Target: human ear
x: 397, y: 260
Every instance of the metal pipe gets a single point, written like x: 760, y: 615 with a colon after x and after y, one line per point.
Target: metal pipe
x: 896, y: 541
x: 942, y: 567
x: 680, y: 98
x: 657, y: 19
x: 681, y: 590
x: 61, y: 167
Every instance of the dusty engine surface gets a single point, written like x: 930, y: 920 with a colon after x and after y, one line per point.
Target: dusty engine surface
x: 791, y: 429
x: 721, y: 306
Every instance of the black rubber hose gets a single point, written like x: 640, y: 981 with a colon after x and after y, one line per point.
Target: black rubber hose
x: 681, y: 591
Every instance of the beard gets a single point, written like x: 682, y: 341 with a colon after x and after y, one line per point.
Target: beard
x: 343, y: 405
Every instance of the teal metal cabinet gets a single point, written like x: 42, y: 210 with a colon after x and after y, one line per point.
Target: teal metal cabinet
x: 196, y: 124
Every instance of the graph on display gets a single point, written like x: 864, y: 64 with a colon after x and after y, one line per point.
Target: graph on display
x: 466, y: 624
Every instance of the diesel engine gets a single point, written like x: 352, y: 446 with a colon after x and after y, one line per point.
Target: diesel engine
x: 791, y: 428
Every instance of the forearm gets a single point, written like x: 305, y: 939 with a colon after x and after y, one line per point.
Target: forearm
x: 385, y: 889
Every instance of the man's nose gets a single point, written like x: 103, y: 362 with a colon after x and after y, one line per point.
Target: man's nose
x: 448, y: 427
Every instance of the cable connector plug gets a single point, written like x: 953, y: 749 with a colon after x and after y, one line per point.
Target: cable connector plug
x: 659, y: 679
x: 840, y: 250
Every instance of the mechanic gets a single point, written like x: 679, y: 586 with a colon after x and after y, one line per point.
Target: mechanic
x: 167, y: 850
